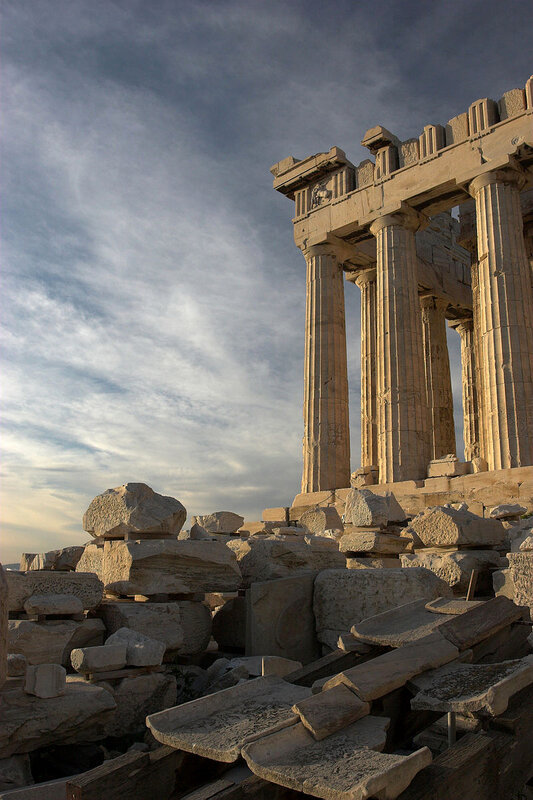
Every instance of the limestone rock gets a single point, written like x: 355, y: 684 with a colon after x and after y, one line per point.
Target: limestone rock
x: 29, y: 723
x: 99, y: 659
x: 65, y: 559
x: 133, y: 507
x: 371, y: 541
x: 366, y: 509
x: 196, y: 532
x: 455, y: 567
x: 219, y: 522
x: 507, y: 510
x: 183, y: 626
x: 330, y: 711
x: 344, y: 597
x: 320, y: 519
x: 52, y: 641
x: 372, y: 562
x: 449, y: 527
x: 527, y: 544
x: 177, y: 567
x: 3, y: 625
x: 141, y: 650
x: 15, y: 772
x: 276, y: 665
x: 16, y: 665
x: 269, y: 559
x: 137, y: 697
x: 23, y: 585
x: 45, y: 680
x: 53, y: 604
x: 92, y: 559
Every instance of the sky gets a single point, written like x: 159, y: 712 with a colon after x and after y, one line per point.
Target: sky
x: 152, y: 305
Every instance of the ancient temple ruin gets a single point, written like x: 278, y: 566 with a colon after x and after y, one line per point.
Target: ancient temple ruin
x: 381, y: 225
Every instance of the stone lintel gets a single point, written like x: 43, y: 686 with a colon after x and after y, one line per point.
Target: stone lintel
x: 293, y: 176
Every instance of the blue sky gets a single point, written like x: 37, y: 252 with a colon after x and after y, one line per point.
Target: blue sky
x: 152, y: 308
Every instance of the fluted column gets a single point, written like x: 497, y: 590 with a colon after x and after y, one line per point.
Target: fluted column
x: 366, y: 281
x: 505, y: 321
x: 438, y: 377
x: 326, y: 443
x: 402, y: 412
x: 465, y: 329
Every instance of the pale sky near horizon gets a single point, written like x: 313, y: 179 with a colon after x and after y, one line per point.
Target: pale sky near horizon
x: 153, y: 300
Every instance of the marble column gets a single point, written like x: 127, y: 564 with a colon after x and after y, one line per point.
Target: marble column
x: 438, y: 377
x: 326, y: 443
x: 402, y: 411
x: 366, y: 281
x: 465, y: 329
x: 505, y: 321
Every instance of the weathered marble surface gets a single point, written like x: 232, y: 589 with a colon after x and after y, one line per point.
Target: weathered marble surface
x: 400, y: 625
x: 452, y: 605
x: 446, y: 527
x: 218, y: 522
x: 321, y: 518
x: 45, y: 680
x: 371, y: 541
x: 345, y: 766
x: 364, y: 508
x: 481, y: 689
x: 53, y: 604
x: 64, y: 559
x: 343, y: 598
x: 455, y: 566
x: 141, y: 650
x: 133, y: 507
x: 52, y: 641
x: 98, y: 659
x: 219, y: 725
x: 330, y: 711
x: 84, y: 585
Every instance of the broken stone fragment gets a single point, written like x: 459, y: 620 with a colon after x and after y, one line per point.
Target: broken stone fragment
x: 16, y: 665
x: 196, y: 532
x: 219, y: 522
x: 449, y: 527
x: 276, y: 665
x: 84, y: 585
x: 455, y: 566
x: 133, y: 507
x: 92, y: 559
x: 135, y: 698
x: 141, y: 650
x: 507, y: 511
x: 527, y: 544
x: 371, y: 541
x: 169, y: 566
x: 45, y: 680
x: 321, y: 518
x: 53, y: 604
x: 98, y: 659
x: 330, y: 711
x: 65, y: 559
x: 366, y: 509
x: 52, y: 641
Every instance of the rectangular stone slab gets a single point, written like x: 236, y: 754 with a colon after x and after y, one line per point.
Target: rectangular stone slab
x: 330, y: 711
x: 400, y: 625
x: 391, y: 670
x: 481, y: 689
x: 452, y: 605
x: 345, y: 766
x: 219, y: 725
x: 371, y: 542
x: 473, y: 626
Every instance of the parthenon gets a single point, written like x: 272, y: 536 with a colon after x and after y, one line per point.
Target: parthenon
x: 387, y: 226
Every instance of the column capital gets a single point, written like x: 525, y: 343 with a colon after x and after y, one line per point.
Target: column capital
x: 462, y: 325
x: 323, y: 249
x: 511, y: 175
x: 406, y: 217
x: 361, y: 277
x: 428, y: 300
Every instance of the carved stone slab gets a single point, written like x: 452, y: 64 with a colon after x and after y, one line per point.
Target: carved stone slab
x: 481, y: 689
x: 400, y: 625
x: 345, y: 766
x: 219, y: 725
x: 452, y: 605
x: 468, y: 629
x: 330, y: 711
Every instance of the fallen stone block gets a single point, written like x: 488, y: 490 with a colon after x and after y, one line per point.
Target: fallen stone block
x: 92, y: 559
x: 453, y: 605
x: 344, y: 597
x: 507, y: 511
x: 98, y: 659
x: 344, y: 766
x: 136, y: 698
x: 196, y: 532
x: 276, y: 665
x: 521, y: 577
x: 400, y: 625
x: 84, y: 585
x: 366, y: 509
x: 455, y: 566
x: 141, y: 650
x: 271, y: 559
x: 169, y: 566
x: 392, y: 670
x: 477, y: 624
x: 45, y: 680
x: 15, y: 772
x: 133, y: 507
x: 372, y: 562
x: 321, y: 518
x: 53, y: 604
x: 444, y: 526
x: 219, y: 522
x: 527, y: 545
x: 16, y: 665
x: 65, y: 559
x: 448, y: 466
x: 371, y: 541
x: 479, y: 689
x: 29, y: 723
x: 330, y: 711
x: 52, y: 641
x: 220, y: 725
